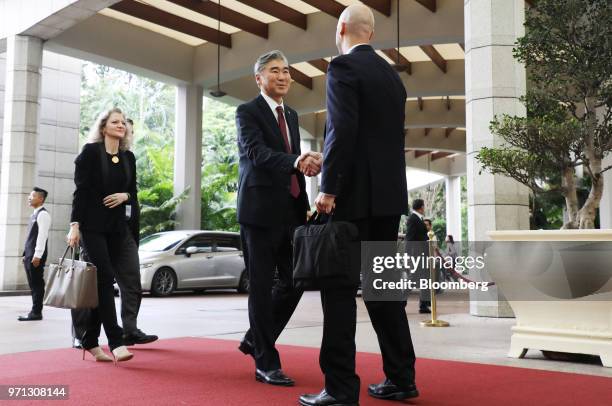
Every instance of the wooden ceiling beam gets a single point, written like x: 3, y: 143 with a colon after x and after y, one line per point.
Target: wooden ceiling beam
x: 439, y: 155
x: 280, y: 11
x: 382, y: 6
x: 392, y: 54
x: 428, y: 4
x: 435, y: 56
x: 331, y: 7
x: 320, y: 64
x: 173, y: 22
x: 227, y: 15
x: 300, y: 77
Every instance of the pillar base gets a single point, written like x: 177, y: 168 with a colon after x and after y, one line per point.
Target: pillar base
x: 490, y: 308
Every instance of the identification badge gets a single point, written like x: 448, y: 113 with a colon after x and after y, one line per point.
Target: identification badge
x: 128, y: 211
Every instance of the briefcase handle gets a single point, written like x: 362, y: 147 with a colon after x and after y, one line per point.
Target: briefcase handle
x: 316, y: 217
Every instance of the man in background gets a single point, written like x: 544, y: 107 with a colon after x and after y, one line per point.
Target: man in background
x: 416, y: 235
x: 35, y: 252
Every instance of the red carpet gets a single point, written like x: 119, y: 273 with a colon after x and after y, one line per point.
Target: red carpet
x: 195, y: 371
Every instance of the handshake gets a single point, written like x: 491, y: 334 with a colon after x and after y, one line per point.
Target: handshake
x: 310, y: 163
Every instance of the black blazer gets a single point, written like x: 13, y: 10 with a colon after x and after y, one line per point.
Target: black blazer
x: 416, y: 230
x: 91, y: 180
x: 265, y: 168
x: 364, y: 163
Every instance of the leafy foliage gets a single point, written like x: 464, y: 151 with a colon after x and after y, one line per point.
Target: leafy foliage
x: 220, y: 167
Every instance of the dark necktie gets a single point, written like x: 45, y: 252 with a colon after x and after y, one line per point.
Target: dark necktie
x: 295, y: 187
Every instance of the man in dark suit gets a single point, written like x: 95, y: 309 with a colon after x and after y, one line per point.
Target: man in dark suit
x: 364, y: 177
x: 416, y: 232
x: 272, y: 202
x: 35, y: 252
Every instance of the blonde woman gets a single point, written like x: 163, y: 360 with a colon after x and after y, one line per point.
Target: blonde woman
x: 104, y: 221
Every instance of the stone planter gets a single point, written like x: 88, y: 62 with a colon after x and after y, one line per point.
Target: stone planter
x: 580, y: 326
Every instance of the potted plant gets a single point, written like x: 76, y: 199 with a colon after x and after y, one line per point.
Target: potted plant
x: 567, y: 49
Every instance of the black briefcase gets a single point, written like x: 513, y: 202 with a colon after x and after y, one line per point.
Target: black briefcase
x: 326, y: 254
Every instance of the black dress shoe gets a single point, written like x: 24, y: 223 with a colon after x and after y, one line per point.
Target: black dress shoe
x: 30, y: 317
x: 246, y: 347
x: 323, y: 399
x: 274, y: 377
x: 388, y: 390
x: 138, y: 337
x: 424, y: 310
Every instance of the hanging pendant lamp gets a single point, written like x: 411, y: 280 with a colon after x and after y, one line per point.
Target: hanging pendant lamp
x: 398, y: 66
x: 218, y: 92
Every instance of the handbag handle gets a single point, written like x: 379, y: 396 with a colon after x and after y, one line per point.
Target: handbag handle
x: 72, y: 250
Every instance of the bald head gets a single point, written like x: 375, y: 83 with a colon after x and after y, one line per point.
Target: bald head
x: 355, y: 26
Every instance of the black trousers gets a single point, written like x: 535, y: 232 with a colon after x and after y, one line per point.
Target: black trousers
x: 337, y: 357
x: 271, y: 303
x: 80, y: 319
x: 35, y: 275
x: 112, y: 253
x: 127, y: 275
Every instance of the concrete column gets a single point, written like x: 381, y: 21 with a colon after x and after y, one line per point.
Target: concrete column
x: 58, y: 143
x: 453, y: 206
x: 494, y: 81
x: 188, y: 154
x: 19, y: 150
x: 605, y: 207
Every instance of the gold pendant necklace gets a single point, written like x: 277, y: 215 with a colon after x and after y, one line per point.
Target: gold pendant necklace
x: 115, y: 159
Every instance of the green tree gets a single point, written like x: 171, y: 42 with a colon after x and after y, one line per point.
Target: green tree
x: 434, y: 197
x: 148, y: 102
x: 567, y: 50
x: 156, y: 195
x: 220, y: 167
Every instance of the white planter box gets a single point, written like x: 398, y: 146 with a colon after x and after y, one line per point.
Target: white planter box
x: 581, y: 326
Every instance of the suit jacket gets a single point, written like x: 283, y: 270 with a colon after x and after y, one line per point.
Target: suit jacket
x: 91, y: 180
x: 416, y: 230
x: 364, y: 163
x: 265, y: 168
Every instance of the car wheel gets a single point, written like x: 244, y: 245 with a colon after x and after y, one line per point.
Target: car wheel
x: 243, y: 284
x: 164, y: 282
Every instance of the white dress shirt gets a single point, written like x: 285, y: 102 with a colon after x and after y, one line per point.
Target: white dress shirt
x: 44, y: 224
x: 273, y: 105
